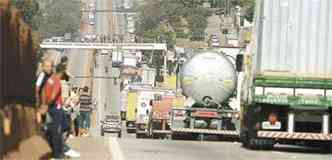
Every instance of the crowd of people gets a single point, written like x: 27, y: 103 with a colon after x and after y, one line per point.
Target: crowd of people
x: 62, y: 115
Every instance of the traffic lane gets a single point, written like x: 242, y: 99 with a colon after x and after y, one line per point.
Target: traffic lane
x: 102, y: 23
x: 141, y: 149
x: 100, y: 93
x: 97, y: 94
x: 79, y: 65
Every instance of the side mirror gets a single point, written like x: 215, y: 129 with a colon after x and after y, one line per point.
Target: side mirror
x: 239, y: 62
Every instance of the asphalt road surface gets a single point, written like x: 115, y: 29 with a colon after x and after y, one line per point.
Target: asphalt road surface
x: 130, y: 148
x: 106, y: 88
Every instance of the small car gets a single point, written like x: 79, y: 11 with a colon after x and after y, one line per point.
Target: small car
x: 111, y: 124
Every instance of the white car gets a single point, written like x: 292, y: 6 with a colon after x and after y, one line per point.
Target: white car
x: 47, y: 40
x: 215, y: 44
x: 215, y: 40
x: 104, y: 52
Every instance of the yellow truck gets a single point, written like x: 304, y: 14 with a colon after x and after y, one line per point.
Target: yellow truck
x: 131, y: 112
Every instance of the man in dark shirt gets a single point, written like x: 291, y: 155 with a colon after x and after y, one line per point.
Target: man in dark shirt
x: 85, y: 111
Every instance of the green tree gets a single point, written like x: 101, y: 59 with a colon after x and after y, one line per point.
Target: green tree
x: 30, y: 9
x: 172, y: 14
x: 249, y: 7
x: 59, y: 17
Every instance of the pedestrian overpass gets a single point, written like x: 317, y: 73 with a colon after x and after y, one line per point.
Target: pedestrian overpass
x: 107, y: 46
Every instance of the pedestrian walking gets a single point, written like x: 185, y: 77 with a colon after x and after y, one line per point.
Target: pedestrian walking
x: 52, y: 99
x: 74, y: 103
x: 85, y: 111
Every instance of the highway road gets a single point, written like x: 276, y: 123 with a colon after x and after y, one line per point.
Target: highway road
x: 107, y: 94
x: 130, y: 148
x: 106, y: 91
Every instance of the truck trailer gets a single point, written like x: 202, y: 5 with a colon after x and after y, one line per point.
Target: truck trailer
x: 286, y: 95
x: 208, y: 79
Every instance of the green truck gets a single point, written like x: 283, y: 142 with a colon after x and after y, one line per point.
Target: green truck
x: 286, y: 94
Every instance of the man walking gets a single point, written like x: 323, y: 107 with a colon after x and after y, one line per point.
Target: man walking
x: 52, y: 98
x: 85, y: 111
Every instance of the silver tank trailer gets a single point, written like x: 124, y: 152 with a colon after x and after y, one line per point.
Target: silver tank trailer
x: 208, y: 74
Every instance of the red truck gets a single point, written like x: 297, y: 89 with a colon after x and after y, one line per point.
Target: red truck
x: 159, y: 119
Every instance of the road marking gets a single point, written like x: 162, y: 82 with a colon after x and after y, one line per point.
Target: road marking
x: 116, y: 152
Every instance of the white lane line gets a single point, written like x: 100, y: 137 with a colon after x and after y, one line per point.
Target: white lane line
x: 114, y: 147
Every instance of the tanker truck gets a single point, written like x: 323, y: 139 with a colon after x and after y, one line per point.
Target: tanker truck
x: 286, y: 94
x: 208, y: 80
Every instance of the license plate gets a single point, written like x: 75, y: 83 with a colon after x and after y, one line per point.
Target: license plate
x: 268, y: 125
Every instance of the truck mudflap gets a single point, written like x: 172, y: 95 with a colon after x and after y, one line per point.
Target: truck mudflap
x: 141, y: 131
x: 295, y: 135
x: 162, y: 132
x: 206, y: 131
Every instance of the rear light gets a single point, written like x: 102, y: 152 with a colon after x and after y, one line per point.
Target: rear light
x: 272, y: 118
x: 258, y: 126
x: 236, y: 116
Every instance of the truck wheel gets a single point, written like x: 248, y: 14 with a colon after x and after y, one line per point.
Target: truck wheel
x: 258, y: 143
x: 138, y: 135
x: 119, y: 134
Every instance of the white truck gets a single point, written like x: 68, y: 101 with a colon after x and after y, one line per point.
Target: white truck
x: 117, y: 58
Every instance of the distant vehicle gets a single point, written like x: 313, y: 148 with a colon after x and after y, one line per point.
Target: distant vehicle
x: 126, y: 4
x: 143, y: 111
x: 131, y: 30
x: 58, y: 39
x: 117, y: 58
x: 206, y: 112
x: 131, y: 27
x: 130, y: 61
x: 111, y: 124
x: 214, y: 39
x: 68, y: 37
x: 131, y: 110
x: 215, y: 44
x: 91, y: 18
x: 48, y: 40
x: 220, y: 12
x: 159, y: 119
x: 92, y: 6
x: 104, y: 52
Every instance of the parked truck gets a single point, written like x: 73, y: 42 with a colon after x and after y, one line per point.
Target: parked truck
x: 208, y: 80
x: 286, y: 93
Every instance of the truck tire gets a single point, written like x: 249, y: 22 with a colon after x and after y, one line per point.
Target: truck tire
x: 139, y: 135
x: 119, y: 134
x: 248, y: 132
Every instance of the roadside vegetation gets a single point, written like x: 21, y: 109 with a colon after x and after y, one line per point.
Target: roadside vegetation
x: 50, y: 17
